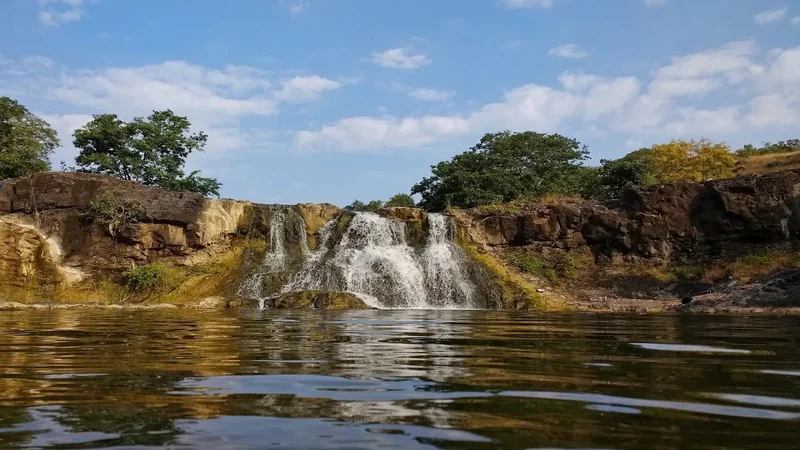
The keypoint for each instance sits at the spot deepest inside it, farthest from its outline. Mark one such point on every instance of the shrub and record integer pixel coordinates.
(145, 277)
(404, 200)
(114, 214)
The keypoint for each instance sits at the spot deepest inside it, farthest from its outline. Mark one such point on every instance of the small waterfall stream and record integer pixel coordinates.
(372, 259)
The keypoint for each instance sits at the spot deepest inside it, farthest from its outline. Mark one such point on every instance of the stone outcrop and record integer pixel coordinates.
(674, 222)
(317, 300)
(47, 243)
(50, 242)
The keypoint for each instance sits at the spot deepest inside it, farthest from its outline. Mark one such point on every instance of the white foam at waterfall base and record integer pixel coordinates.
(373, 261)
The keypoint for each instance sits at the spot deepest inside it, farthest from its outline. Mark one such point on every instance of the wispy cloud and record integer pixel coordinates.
(570, 51)
(401, 58)
(516, 4)
(638, 109)
(770, 16)
(654, 3)
(430, 95)
(58, 12)
(297, 7)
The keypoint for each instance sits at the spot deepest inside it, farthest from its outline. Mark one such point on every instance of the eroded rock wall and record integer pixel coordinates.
(674, 222)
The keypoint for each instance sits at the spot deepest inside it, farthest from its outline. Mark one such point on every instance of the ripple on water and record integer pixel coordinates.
(788, 373)
(688, 348)
(702, 408)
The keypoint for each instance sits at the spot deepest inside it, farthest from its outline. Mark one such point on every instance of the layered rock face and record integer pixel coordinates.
(44, 228)
(46, 242)
(673, 222)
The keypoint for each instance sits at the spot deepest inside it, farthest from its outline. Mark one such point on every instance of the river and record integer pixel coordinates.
(397, 379)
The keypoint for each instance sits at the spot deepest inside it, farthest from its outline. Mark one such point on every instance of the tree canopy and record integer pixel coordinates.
(503, 167)
(679, 161)
(150, 151)
(401, 200)
(359, 206)
(26, 141)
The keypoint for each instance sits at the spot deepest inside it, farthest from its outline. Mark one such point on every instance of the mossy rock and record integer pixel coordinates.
(318, 300)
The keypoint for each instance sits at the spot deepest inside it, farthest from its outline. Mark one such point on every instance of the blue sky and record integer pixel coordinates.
(332, 100)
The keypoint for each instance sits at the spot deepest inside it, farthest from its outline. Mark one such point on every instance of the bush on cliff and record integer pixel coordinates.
(26, 141)
(359, 206)
(111, 212)
(402, 200)
(145, 277)
(150, 151)
(502, 167)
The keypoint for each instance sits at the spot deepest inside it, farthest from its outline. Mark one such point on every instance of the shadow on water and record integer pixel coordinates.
(397, 379)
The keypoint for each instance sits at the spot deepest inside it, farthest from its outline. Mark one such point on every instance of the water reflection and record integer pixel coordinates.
(396, 379)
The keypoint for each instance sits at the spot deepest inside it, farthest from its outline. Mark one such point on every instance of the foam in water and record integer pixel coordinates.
(374, 261)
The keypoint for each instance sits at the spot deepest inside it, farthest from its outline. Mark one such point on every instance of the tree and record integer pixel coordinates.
(359, 206)
(401, 200)
(26, 141)
(701, 160)
(502, 167)
(616, 176)
(789, 146)
(150, 151)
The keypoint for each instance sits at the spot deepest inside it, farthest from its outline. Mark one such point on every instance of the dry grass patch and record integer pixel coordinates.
(772, 162)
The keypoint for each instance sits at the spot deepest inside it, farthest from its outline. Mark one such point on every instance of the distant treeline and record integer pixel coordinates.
(501, 167)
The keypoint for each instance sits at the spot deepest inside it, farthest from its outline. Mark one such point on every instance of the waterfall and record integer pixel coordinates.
(278, 258)
(373, 260)
(445, 265)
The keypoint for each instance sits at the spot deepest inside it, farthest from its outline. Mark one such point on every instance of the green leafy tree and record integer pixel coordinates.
(359, 206)
(614, 177)
(150, 151)
(401, 200)
(502, 167)
(26, 141)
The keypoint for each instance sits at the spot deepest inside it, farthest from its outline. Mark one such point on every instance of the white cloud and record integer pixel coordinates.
(691, 120)
(770, 16)
(783, 74)
(215, 100)
(368, 133)
(678, 87)
(209, 95)
(795, 20)
(642, 110)
(430, 95)
(515, 4)
(65, 125)
(774, 110)
(305, 88)
(571, 51)
(58, 12)
(732, 60)
(654, 3)
(401, 58)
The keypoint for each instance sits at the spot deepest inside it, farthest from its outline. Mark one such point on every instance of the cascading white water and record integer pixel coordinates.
(446, 276)
(277, 257)
(374, 261)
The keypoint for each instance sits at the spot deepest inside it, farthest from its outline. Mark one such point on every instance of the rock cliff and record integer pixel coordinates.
(637, 246)
(659, 243)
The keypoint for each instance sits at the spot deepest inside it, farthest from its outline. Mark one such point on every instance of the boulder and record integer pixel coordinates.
(316, 215)
(403, 213)
(317, 300)
(216, 302)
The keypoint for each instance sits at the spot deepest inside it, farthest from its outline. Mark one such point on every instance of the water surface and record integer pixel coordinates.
(397, 379)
